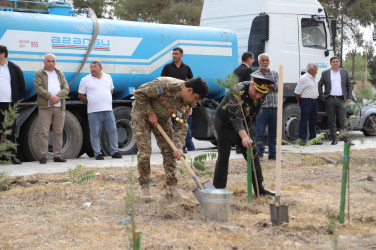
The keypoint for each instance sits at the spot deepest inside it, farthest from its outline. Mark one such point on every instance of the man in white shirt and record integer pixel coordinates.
(338, 90)
(12, 84)
(96, 91)
(306, 93)
(52, 89)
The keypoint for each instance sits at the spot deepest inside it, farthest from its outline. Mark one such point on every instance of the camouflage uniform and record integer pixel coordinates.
(161, 96)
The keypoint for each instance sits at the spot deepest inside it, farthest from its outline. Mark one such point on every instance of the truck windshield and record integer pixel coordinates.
(313, 34)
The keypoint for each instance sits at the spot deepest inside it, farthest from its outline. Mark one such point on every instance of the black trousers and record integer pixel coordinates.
(227, 138)
(12, 137)
(335, 107)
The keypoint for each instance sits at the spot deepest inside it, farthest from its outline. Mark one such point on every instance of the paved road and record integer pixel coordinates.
(29, 168)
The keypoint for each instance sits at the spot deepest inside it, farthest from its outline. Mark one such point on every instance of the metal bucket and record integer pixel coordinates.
(216, 203)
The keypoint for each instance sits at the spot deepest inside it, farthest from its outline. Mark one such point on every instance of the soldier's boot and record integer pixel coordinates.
(262, 190)
(145, 193)
(172, 192)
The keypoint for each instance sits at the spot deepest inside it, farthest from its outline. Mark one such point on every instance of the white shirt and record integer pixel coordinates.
(5, 87)
(335, 78)
(307, 87)
(98, 92)
(53, 85)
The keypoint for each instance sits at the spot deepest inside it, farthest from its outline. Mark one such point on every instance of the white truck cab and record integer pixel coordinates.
(293, 33)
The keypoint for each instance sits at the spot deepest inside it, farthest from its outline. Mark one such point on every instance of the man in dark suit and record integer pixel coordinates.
(338, 90)
(12, 84)
(243, 71)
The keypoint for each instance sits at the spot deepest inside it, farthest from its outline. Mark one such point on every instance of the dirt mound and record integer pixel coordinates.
(51, 211)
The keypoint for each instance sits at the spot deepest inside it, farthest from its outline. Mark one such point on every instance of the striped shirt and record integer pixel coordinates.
(271, 99)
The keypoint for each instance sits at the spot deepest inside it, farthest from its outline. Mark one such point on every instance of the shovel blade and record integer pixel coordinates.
(207, 185)
(279, 214)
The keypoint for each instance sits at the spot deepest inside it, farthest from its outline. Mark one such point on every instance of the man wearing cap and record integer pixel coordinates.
(231, 126)
(267, 116)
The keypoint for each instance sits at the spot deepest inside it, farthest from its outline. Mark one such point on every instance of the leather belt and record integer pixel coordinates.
(336, 96)
(308, 98)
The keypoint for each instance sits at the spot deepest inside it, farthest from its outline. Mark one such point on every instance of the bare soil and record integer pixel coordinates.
(42, 212)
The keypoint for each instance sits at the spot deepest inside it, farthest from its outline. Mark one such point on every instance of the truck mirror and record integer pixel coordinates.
(333, 27)
(326, 53)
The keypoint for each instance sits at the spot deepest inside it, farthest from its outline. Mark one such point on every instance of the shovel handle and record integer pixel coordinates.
(160, 129)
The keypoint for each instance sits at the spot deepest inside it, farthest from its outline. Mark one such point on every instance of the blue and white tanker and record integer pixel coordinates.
(134, 53)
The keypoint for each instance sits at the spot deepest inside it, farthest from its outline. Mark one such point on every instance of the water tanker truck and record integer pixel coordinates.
(134, 53)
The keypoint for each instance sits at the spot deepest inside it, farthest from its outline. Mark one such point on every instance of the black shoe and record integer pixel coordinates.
(117, 155)
(318, 143)
(43, 160)
(272, 158)
(59, 159)
(264, 191)
(184, 151)
(15, 160)
(99, 157)
(335, 141)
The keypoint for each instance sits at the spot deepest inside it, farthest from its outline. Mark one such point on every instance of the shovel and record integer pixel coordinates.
(205, 185)
(279, 213)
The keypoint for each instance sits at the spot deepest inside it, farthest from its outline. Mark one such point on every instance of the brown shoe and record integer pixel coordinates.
(43, 160)
(145, 193)
(172, 192)
(59, 159)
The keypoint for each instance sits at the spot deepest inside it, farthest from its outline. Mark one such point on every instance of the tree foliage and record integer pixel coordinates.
(352, 15)
(100, 7)
(6, 145)
(355, 63)
(372, 70)
(162, 11)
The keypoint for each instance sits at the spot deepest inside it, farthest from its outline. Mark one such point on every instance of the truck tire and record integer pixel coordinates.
(72, 138)
(369, 127)
(126, 139)
(290, 121)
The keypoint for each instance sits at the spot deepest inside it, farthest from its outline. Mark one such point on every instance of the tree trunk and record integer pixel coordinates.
(353, 54)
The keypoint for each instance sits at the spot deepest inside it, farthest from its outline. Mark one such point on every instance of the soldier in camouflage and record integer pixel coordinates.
(230, 126)
(156, 102)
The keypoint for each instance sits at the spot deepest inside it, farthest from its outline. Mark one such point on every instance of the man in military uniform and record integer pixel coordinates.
(156, 102)
(230, 126)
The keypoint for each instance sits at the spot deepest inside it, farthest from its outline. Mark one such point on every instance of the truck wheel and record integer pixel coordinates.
(72, 138)
(369, 127)
(126, 139)
(290, 121)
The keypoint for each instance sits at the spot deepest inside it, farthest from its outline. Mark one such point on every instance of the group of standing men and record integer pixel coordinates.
(334, 89)
(171, 98)
(52, 89)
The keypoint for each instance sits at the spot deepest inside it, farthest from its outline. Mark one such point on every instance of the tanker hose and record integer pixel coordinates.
(93, 17)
